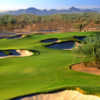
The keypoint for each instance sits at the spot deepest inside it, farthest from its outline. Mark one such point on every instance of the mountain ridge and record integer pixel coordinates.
(43, 12)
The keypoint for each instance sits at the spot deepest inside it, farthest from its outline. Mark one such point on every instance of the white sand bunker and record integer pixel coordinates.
(24, 52)
(15, 53)
(65, 95)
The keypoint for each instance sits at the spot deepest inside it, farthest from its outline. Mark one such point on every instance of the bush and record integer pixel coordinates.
(90, 47)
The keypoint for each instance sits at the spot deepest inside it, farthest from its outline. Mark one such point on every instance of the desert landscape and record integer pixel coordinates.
(49, 51)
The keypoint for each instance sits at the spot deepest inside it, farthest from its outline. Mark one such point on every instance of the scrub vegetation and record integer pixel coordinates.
(51, 23)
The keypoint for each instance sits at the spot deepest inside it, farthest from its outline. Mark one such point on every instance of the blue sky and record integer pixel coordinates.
(47, 4)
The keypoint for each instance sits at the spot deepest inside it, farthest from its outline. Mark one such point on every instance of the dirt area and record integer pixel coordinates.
(63, 95)
(87, 68)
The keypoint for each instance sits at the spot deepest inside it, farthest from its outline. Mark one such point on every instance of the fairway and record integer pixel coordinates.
(45, 72)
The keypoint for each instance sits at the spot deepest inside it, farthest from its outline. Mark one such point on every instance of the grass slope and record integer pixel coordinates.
(46, 72)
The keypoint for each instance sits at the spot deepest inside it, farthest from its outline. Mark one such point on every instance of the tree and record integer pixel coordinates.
(90, 47)
(7, 19)
(81, 26)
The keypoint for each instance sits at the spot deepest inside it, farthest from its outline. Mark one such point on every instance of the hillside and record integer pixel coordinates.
(50, 24)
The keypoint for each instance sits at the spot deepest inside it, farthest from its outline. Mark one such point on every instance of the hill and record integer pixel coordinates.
(36, 11)
(51, 23)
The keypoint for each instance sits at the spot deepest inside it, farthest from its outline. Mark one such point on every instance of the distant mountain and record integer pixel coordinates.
(36, 11)
(97, 9)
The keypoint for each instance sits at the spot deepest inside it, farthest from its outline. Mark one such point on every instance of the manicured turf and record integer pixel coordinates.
(45, 72)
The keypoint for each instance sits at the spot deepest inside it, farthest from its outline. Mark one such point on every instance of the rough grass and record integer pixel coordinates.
(46, 72)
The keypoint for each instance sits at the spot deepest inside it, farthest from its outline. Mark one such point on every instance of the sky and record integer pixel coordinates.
(6, 5)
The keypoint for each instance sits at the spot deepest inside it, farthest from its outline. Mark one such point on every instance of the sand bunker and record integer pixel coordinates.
(15, 53)
(64, 95)
(13, 37)
(81, 38)
(66, 45)
(16, 37)
(83, 68)
(49, 40)
(24, 52)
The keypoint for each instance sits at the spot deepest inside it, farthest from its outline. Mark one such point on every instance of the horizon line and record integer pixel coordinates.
(49, 9)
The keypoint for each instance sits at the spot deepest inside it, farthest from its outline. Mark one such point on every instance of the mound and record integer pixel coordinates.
(65, 95)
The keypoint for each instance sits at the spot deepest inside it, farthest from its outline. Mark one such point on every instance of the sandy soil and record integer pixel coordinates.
(83, 68)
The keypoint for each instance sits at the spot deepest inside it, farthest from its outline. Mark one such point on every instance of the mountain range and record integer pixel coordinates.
(40, 12)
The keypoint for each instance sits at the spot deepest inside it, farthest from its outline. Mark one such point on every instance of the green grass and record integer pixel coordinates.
(43, 73)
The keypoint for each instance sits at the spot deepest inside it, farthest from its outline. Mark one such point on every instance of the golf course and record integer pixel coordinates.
(47, 69)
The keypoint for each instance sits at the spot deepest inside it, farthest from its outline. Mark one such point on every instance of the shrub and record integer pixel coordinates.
(90, 47)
